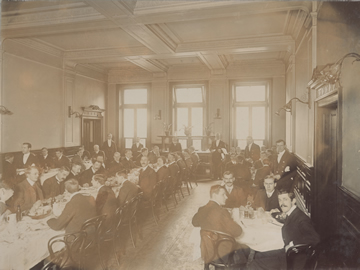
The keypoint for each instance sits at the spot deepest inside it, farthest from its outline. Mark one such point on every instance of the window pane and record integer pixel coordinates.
(183, 143)
(128, 143)
(135, 96)
(182, 119)
(188, 95)
(143, 142)
(258, 123)
(197, 122)
(250, 93)
(242, 122)
(197, 144)
(141, 123)
(129, 121)
(241, 144)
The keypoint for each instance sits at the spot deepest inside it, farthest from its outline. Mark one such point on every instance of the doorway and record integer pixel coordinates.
(92, 133)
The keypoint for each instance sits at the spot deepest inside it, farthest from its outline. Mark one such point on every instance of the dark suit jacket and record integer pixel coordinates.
(79, 209)
(32, 159)
(216, 156)
(9, 173)
(63, 161)
(253, 153)
(147, 181)
(241, 172)
(77, 159)
(175, 148)
(213, 217)
(25, 195)
(86, 176)
(299, 229)
(195, 160)
(51, 187)
(285, 181)
(174, 170)
(72, 176)
(163, 173)
(46, 162)
(114, 167)
(109, 151)
(261, 174)
(236, 198)
(258, 164)
(128, 191)
(100, 153)
(262, 200)
(128, 164)
(136, 150)
(106, 203)
(153, 157)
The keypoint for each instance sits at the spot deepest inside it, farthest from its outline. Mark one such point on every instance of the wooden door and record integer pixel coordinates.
(326, 170)
(92, 131)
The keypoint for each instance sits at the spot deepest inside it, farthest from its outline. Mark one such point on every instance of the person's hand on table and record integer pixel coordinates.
(291, 244)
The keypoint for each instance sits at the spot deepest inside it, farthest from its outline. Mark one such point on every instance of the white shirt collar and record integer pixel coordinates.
(215, 201)
(229, 189)
(171, 163)
(74, 173)
(25, 157)
(92, 168)
(30, 182)
(45, 156)
(250, 145)
(60, 157)
(291, 210)
(269, 194)
(144, 168)
(99, 188)
(57, 179)
(280, 155)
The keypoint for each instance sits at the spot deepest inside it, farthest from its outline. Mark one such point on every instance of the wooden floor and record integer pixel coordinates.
(168, 245)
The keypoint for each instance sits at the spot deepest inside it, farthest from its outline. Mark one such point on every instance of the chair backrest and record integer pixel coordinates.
(93, 228)
(65, 249)
(301, 256)
(216, 246)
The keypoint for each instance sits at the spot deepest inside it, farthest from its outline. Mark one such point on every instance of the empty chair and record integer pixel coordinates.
(301, 256)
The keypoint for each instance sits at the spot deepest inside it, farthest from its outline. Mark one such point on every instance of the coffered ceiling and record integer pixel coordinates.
(157, 35)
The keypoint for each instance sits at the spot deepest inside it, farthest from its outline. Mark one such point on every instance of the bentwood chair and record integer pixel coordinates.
(219, 249)
(301, 256)
(66, 251)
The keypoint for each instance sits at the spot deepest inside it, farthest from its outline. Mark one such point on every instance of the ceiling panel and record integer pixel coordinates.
(262, 55)
(118, 65)
(181, 61)
(113, 38)
(231, 27)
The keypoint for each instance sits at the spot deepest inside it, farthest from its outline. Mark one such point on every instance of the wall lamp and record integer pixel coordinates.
(288, 106)
(71, 112)
(158, 116)
(5, 111)
(217, 114)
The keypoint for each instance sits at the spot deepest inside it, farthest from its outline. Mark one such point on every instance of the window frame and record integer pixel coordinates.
(251, 104)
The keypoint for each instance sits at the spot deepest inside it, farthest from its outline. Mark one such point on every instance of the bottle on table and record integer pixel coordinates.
(18, 214)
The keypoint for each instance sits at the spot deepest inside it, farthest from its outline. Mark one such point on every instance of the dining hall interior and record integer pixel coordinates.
(210, 79)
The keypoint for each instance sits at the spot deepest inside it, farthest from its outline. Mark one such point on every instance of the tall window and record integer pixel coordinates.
(189, 106)
(250, 111)
(135, 111)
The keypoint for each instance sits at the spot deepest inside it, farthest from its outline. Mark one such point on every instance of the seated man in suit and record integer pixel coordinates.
(77, 158)
(260, 162)
(114, 165)
(162, 171)
(175, 146)
(86, 154)
(188, 160)
(213, 216)
(144, 153)
(173, 167)
(127, 161)
(235, 195)
(261, 173)
(284, 166)
(5, 194)
(97, 152)
(267, 198)
(109, 147)
(54, 186)
(75, 171)
(27, 158)
(106, 202)
(128, 189)
(80, 208)
(45, 161)
(241, 170)
(252, 150)
(154, 154)
(194, 158)
(231, 166)
(147, 177)
(136, 147)
(9, 171)
(86, 176)
(27, 192)
(61, 160)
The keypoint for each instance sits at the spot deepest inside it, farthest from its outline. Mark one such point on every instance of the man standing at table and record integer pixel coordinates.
(54, 186)
(216, 150)
(80, 208)
(136, 147)
(284, 166)
(45, 161)
(27, 158)
(109, 147)
(267, 198)
(235, 195)
(77, 158)
(252, 150)
(27, 192)
(213, 216)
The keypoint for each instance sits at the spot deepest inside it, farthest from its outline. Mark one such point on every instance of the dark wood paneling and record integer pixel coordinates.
(349, 213)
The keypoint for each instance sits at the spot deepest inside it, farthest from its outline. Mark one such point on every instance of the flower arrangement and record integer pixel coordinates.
(208, 129)
(187, 130)
(167, 128)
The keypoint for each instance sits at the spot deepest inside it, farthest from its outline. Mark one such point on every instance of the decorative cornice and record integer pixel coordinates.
(35, 44)
(165, 35)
